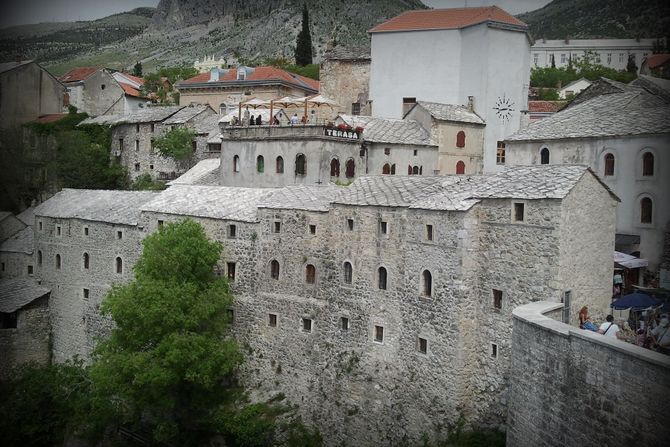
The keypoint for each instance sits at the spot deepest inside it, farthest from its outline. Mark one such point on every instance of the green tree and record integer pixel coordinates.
(137, 69)
(631, 67)
(178, 145)
(303, 47)
(169, 364)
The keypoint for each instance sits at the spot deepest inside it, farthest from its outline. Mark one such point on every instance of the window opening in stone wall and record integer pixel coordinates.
(350, 224)
(274, 269)
(409, 169)
(497, 299)
(355, 108)
(393, 169)
(85, 231)
(334, 167)
(426, 284)
(2, 266)
(350, 168)
(137, 145)
(39, 258)
(500, 153)
(276, 227)
(119, 265)
(423, 345)
(310, 274)
(415, 170)
(544, 156)
(137, 127)
(160, 223)
(280, 165)
(137, 167)
(230, 268)
(386, 169)
(387, 151)
(566, 299)
(58, 262)
(646, 208)
(379, 334)
(152, 146)
(153, 127)
(306, 325)
(86, 261)
(272, 320)
(407, 104)
(383, 227)
(429, 232)
(518, 212)
(30, 269)
(344, 323)
(648, 164)
(460, 167)
(260, 164)
(230, 314)
(382, 276)
(119, 234)
(86, 293)
(460, 139)
(8, 320)
(494, 350)
(236, 163)
(232, 231)
(416, 152)
(120, 144)
(300, 164)
(194, 146)
(348, 272)
(58, 230)
(312, 229)
(609, 164)
(40, 225)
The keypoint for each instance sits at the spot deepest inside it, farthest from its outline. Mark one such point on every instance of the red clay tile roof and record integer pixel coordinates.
(134, 78)
(50, 118)
(452, 18)
(545, 106)
(130, 90)
(264, 73)
(77, 74)
(656, 60)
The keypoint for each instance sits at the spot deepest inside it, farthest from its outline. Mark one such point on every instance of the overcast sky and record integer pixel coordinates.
(19, 12)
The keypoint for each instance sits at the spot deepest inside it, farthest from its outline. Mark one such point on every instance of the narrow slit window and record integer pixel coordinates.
(383, 227)
(310, 274)
(423, 345)
(312, 229)
(497, 299)
(230, 267)
(232, 231)
(348, 272)
(344, 323)
(519, 212)
(274, 269)
(272, 320)
(429, 232)
(382, 278)
(379, 334)
(350, 224)
(306, 325)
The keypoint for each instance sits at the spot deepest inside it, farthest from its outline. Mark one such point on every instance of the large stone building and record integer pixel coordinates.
(224, 88)
(27, 91)
(448, 56)
(623, 133)
(383, 308)
(344, 74)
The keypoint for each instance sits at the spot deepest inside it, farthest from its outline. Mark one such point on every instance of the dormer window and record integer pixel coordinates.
(241, 74)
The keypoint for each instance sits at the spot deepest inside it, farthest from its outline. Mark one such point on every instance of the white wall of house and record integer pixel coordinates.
(573, 88)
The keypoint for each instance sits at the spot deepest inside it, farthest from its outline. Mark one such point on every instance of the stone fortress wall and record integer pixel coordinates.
(367, 364)
(571, 387)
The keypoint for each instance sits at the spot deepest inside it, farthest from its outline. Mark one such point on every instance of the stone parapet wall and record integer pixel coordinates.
(570, 387)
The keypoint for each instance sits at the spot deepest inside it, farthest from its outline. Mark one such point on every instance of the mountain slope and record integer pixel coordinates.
(582, 19)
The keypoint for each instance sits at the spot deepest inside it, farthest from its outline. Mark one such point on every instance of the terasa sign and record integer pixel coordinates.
(350, 134)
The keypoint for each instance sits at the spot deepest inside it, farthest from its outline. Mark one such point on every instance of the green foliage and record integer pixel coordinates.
(548, 94)
(309, 70)
(303, 47)
(39, 403)
(585, 66)
(631, 67)
(145, 183)
(178, 72)
(176, 144)
(137, 69)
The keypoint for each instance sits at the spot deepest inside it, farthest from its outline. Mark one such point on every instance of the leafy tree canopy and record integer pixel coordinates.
(176, 144)
(137, 69)
(586, 66)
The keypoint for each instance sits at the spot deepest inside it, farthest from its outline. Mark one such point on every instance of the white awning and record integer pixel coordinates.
(629, 261)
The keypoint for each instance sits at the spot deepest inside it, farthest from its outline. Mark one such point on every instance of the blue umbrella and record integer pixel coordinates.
(635, 301)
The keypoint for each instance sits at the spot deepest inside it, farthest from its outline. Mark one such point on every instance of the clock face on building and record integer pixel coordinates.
(504, 108)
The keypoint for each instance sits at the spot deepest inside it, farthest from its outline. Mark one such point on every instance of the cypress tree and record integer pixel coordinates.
(303, 47)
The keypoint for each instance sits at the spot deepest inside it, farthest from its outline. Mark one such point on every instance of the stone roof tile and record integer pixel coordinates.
(194, 176)
(145, 115)
(186, 114)
(20, 242)
(451, 112)
(309, 198)
(16, 293)
(384, 130)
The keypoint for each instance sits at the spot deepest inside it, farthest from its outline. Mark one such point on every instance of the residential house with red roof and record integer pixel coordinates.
(656, 65)
(448, 56)
(223, 89)
(100, 91)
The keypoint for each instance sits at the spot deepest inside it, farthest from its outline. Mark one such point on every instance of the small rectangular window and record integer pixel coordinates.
(306, 325)
(312, 229)
(160, 223)
(120, 144)
(119, 234)
(355, 108)
(86, 293)
(58, 230)
(2, 266)
(230, 313)
(497, 298)
(137, 145)
(387, 151)
(423, 345)
(494, 350)
(85, 231)
(137, 127)
(153, 127)
(344, 323)
(383, 227)
(350, 224)
(277, 226)
(272, 320)
(39, 224)
(429, 232)
(30, 269)
(518, 212)
(137, 167)
(151, 167)
(416, 152)
(230, 267)
(500, 153)
(379, 334)
(232, 231)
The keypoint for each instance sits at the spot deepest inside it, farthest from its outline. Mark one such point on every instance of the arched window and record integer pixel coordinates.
(426, 283)
(223, 109)
(300, 164)
(236, 163)
(460, 167)
(58, 264)
(347, 272)
(382, 278)
(648, 164)
(409, 170)
(609, 164)
(415, 170)
(334, 167)
(544, 156)
(86, 260)
(460, 139)
(646, 210)
(39, 257)
(119, 265)
(393, 169)
(310, 274)
(351, 168)
(386, 169)
(280, 165)
(274, 269)
(260, 164)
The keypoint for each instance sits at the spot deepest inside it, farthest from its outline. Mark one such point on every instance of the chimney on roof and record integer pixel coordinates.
(471, 103)
(214, 75)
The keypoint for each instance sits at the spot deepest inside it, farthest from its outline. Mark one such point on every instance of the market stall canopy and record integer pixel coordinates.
(288, 101)
(629, 261)
(635, 301)
(256, 103)
(320, 100)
